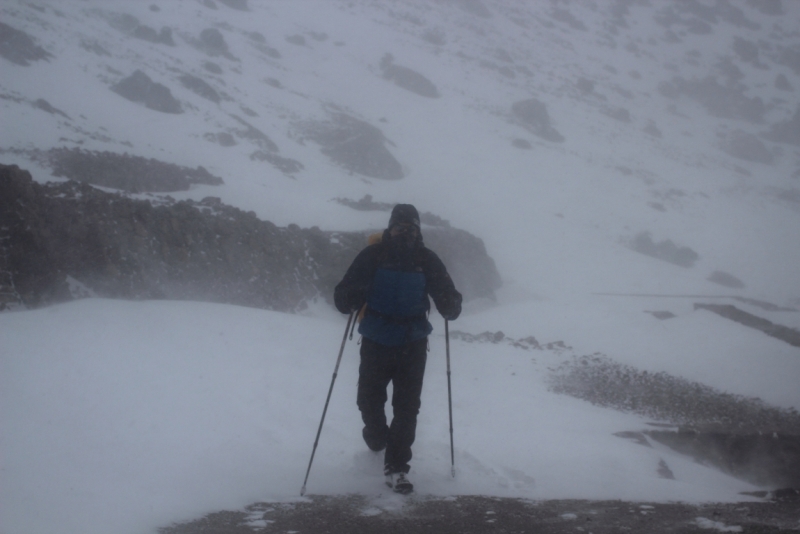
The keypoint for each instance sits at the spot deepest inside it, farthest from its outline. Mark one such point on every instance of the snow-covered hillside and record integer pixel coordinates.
(620, 159)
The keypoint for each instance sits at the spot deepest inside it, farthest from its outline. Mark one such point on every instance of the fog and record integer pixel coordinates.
(593, 170)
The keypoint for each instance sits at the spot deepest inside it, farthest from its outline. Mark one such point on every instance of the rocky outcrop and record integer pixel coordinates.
(134, 174)
(665, 250)
(355, 145)
(532, 115)
(63, 236)
(18, 47)
(139, 88)
(407, 78)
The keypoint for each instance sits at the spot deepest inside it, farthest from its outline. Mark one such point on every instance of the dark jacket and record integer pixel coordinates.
(395, 283)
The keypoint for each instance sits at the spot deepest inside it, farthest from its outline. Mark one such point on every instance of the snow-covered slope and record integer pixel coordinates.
(673, 135)
(129, 416)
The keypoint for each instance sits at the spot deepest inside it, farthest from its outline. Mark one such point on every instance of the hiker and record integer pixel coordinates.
(392, 280)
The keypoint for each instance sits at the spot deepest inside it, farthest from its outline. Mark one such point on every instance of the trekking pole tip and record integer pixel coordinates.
(303, 491)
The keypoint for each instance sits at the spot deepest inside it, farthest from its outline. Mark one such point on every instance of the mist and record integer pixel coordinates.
(614, 185)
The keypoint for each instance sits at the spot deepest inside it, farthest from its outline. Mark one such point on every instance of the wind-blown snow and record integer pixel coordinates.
(126, 416)
(129, 416)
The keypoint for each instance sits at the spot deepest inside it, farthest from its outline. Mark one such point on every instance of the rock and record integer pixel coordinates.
(355, 145)
(138, 87)
(407, 78)
(213, 43)
(748, 147)
(769, 459)
(200, 87)
(241, 5)
(18, 47)
(787, 131)
(532, 114)
(725, 101)
(725, 279)
(664, 250)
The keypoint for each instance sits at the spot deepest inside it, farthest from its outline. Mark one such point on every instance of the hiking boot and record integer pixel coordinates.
(399, 483)
(376, 441)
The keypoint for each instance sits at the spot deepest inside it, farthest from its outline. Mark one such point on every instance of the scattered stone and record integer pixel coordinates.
(407, 78)
(663, 315)
(298, 40)
(522, 143)
(585, 86)
(130, 25)
(254, 135)
(764, 459)
(787, 131)
(212, 42)
(725, 101)
(532, 115)
(748, 147)
(138, 87)
(285, 165)
(669, 399)
(94, 47)
(784, 333)
(652, 129)
(767, 7)
(565, 16)
(241, 5)
(664, 471)
(764, 305)
(526, 343)
(620, 114)
(44, 105)
(222, 139)
(435, 37)
(746, 50)
(20, 48)
(725, 279)
(212, 67)
(355, 145)
(200, 87)
(636, 437)
(782, 83)
(466, 513)
(665, 250)
(474, 7)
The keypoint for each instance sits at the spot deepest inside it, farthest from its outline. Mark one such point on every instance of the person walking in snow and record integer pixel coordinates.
(394, 278)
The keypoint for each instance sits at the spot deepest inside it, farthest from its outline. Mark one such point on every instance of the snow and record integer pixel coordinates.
(128, 416)
(133, 415)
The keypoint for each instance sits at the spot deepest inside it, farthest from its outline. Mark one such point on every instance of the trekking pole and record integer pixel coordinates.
(449, 398)
(325, 410)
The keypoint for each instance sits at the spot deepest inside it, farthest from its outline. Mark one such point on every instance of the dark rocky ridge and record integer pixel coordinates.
(119, 247)
(123, 171)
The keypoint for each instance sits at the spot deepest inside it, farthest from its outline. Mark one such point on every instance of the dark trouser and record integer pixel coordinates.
(404, 366)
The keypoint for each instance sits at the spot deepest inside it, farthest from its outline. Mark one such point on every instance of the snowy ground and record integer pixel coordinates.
(129, 416)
